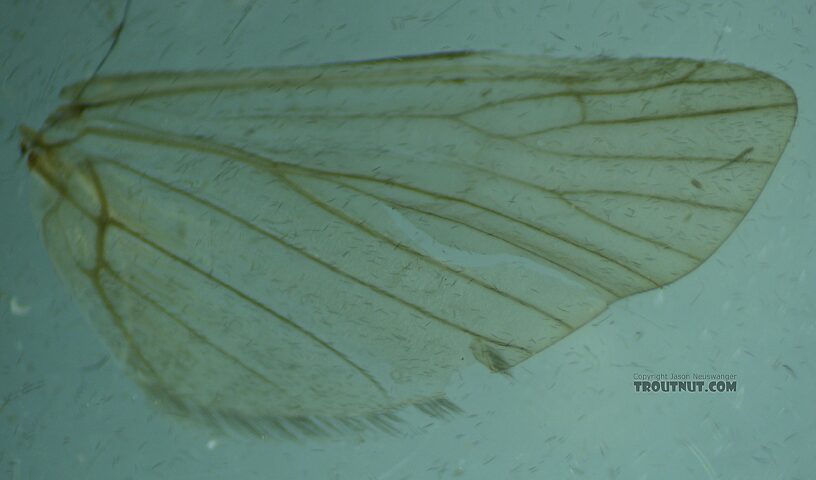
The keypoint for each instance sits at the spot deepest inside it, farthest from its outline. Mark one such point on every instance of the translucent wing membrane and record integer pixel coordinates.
(307, 248)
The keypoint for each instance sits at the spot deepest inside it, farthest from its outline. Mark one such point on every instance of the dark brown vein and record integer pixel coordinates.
(278, 168)
(104, 222)
(328, 114)
(483, 208)
(316, 79)
(270, 166)
(134, 356)
(372, 233)
(249, 299)
(475, 228)
(652, 196)
(654, 118)
(304, 253)
(202, 338)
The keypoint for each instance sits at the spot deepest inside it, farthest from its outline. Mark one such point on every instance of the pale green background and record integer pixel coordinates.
(571, 411)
